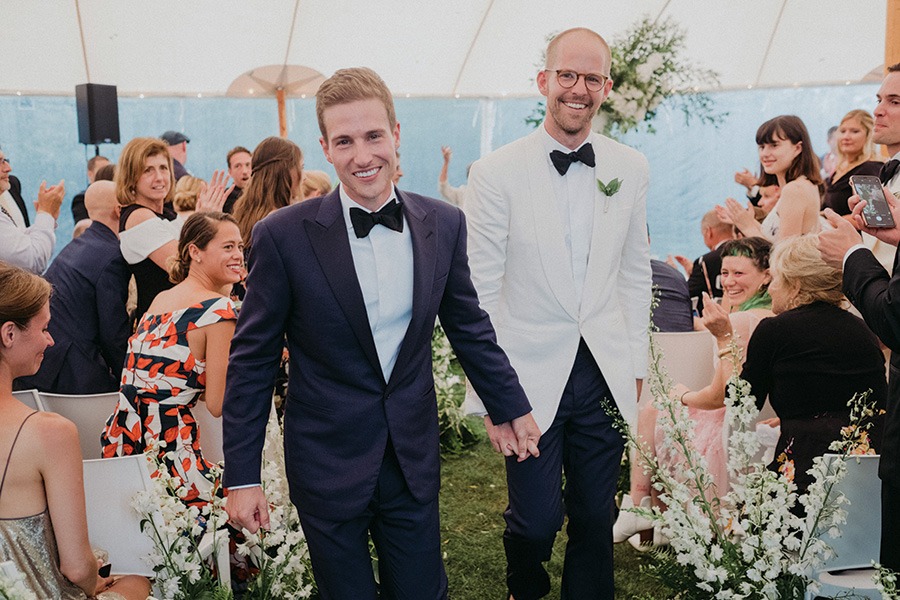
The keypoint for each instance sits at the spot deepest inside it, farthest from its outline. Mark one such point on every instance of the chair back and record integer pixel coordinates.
(29, 398)
(110, 485)
(209, 429)
(89, 412)
(687, 357)
(858, 545)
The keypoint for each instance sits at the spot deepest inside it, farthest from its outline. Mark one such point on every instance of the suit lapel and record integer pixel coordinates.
(422, 226)
(328, 237)
(549, 232)
(603, 231)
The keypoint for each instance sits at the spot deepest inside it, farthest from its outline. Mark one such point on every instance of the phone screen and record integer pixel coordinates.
(877, 213)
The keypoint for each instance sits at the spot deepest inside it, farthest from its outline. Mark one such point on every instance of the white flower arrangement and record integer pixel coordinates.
(455, 430)
(279, 555)
(13, 587)
(749, 543)
(886, 583)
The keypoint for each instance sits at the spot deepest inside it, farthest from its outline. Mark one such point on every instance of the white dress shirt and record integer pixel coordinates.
(9, 205)
(384, 268)
(894, 186)
(28, 248)
(575, 200)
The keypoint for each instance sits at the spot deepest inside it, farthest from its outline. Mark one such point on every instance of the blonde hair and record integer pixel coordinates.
(868, 124)
(350, 85)
(315, 183)
(186, 191)
(131, 166)
(798, 263)
(198, 230)
(22, 295)
(269, 189)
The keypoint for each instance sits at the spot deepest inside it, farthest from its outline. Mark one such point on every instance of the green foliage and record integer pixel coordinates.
(456, 430)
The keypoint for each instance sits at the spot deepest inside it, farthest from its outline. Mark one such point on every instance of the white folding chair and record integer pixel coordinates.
(687, 357)
(89, 413)
(850, 570)
(29, 398)
(210, 429)
(110, 484)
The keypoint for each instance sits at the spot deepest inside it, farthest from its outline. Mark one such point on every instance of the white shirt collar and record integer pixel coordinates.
(347, 203)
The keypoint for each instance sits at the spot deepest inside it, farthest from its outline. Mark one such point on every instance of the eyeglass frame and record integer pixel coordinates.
(606, 78)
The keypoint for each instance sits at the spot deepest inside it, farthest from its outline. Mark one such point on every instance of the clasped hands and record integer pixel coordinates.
(518, 437)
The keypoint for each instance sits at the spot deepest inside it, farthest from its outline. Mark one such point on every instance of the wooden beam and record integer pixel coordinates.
(892, 34)
(282, 113)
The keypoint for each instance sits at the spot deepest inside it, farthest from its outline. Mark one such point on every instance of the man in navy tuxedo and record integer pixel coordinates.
(355, 279)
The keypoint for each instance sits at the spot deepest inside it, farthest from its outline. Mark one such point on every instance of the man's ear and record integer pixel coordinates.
(542, 82)
(325, 151)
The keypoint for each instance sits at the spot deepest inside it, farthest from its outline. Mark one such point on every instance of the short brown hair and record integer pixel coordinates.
(270, 186)
(22, 295)
(92, 162)
(131, 166)
(233, 151)
(350, 85)
(198, 230)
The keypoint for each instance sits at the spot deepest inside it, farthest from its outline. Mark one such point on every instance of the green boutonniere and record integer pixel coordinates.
(609, 189)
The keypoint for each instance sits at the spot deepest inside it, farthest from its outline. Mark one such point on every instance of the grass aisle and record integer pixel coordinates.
(473, 497)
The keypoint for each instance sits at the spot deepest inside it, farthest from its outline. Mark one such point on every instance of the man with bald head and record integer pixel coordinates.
(89, 322)
(560, 259)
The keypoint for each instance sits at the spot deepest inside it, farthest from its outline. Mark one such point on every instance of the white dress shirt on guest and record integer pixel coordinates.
(29, 248)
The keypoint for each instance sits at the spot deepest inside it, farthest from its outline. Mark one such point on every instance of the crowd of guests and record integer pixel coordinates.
(181, 242)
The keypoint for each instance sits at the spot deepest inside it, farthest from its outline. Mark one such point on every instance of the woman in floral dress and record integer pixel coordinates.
(180, 353)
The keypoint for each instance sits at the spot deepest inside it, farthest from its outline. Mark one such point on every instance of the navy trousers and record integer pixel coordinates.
(407, 541)
(583, 444)
(890, 526)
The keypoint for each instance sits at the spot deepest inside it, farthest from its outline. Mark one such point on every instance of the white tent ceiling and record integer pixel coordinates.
(480, 48)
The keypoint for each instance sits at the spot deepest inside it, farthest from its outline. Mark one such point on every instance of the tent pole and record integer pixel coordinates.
(892, 34)
(282, 113)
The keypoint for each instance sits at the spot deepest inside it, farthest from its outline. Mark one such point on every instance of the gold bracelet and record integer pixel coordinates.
(722, 353)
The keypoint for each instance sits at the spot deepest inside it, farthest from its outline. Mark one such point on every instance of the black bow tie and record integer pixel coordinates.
(562, 161)
(888, 170)
(390, 215)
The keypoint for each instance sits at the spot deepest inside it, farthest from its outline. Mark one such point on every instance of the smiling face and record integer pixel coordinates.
(152, 186)
(222, 261)
(362, 146)
(741, 279)
(569, 111)
(777, 156)
(887, 114)
(851, 138)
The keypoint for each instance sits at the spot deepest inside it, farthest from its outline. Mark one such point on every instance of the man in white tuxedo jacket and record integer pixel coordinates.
(563, 269)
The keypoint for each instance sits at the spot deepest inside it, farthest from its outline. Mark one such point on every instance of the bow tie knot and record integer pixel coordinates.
(390, 215)
(889, 170)
(562, 161)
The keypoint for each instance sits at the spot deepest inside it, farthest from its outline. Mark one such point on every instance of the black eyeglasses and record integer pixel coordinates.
(594, 82)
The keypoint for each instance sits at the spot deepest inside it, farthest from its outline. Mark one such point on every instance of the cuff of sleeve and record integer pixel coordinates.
(44, 220)
(851, 251)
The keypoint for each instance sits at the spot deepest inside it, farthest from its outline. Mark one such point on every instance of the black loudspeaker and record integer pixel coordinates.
(97, 107)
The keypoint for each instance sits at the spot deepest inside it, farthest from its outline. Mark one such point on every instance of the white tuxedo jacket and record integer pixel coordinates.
(522, 271)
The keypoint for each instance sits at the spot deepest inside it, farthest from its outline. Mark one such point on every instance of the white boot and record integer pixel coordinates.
(628, 522)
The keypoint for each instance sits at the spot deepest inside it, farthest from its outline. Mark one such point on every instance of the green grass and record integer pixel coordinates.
(473, 497)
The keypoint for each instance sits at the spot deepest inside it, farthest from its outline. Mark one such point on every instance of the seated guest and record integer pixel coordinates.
(43, 527)
(239, 168)
(180, 352)
(703, 274)
(786, 160)
(90, 322)
(856, 155)
(29, 247)
(187, 190)
(809, 359)
(315, 184)
(745, 279)
(673, 310)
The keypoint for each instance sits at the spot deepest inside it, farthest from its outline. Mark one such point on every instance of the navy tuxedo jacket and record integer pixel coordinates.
(340, 411)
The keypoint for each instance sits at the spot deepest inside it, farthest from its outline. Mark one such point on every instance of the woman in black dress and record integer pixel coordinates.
(856, 156)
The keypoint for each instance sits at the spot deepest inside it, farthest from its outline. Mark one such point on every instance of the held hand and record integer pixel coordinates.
(50, 198)
(212, 199)
(834, 243)
(247, 508)
(528, 434)
(502, 437)
(715, 318)
(773, 422)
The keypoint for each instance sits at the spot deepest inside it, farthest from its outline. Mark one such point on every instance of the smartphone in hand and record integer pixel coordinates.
(877, 212)
(105, 570)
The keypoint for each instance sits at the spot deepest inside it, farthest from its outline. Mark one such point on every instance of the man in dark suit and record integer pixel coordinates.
(875, 293)
(89, 321)
(355, 279)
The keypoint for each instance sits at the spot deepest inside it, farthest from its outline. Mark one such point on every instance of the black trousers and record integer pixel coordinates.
(890, 526)
(581, 443)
